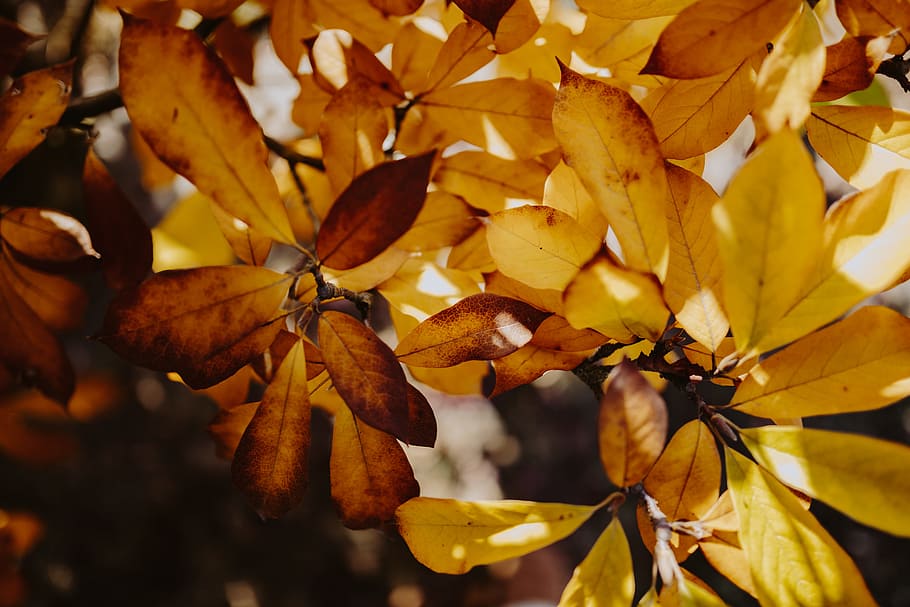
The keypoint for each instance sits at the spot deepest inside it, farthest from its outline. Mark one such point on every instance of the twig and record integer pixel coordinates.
(293, 157)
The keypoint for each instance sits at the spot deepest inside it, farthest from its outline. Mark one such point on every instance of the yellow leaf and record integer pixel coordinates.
(249, 246)
(555, 333)
(452, 536)
(861, 143)
(472, 254)
(632, 426)
(490, 183)
(789, 77)
(189, 237)
(692, 286)
(769, 227)
(857, 364)
(689, 591)
(539, 245)
(605, 578)
(609, 141)
(608, 42)
(535, 56)
(619, 303)
(338, 57)
(692, 117)
(876, 18)
(565, 191)
(309, 104)
(292, 22)
(33, 104)
(270, 461)
(465, 50)
(543, 299)
(794, 561)
(444, 220)
(364, 21)
(519, 24)
(414, 52)
(184, 124)
(528, 363)
(711, 36)
(865, 478)
(634, 9)
(421, 288)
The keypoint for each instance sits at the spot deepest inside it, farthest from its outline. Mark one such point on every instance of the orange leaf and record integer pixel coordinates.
(398, 8)
(228, 426)
(117, 230)
(555, 333)
(204, 323)
(292, 22)
(36, 430)
(46, 239)
(479, 327)
(58, 302)
(632, 425)
(249, 245)
(365, 373)
(370, 473)
(444, 220)
(487, 12)
(266, 365)
(14, 41)
(337, 58)
(179, 96)
(374, 211)
(270, 462)
(466, 50)
(849, 66)
(877, 18)
(530, 362)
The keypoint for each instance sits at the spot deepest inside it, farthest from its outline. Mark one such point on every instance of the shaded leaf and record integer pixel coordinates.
(14, 41)
(564, 190)
(487, 12)
(452, 536)
(250, 246)
(203, 323)
(621, 166)
(228, 426)
(235, 46)
(270, 462)
(605, 577)
(414, 52)
(850, 65)
(58, 302)
(370, 473)
(556, 333)
(292, 22)
(36, 430)
(530, 362)
(479, 327)
(519, 24)
(365, 373)
(185, 128)
(421, 419)
(397, 7)
(47, 239)
(364, 21)
(374, 211)
(794, 561)
(632, 426)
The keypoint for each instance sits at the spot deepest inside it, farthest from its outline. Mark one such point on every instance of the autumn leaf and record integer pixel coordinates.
(421, 419)
(270, 462)
(621, 167)
(452, 536)
(36, 430)
(489, 182)
(634, 9)
(414, 52)
(373, 212)
(632, 426)
(292, 22)
(794, 561)
(878, 18)
(337, 57)
(369, 471)
(250, 246)
(444, 220)
(605, 578)
(15, 42)
(397, 7)
(487, 12)
(203, 323)
(565, 191)
(850, 65)
(465, 50)
(57, 301)
(47, 239)
(228, 426)
(530, 362)
(479, 327)
(186, 127)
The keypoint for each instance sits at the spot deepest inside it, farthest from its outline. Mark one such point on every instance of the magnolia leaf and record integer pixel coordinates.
(542, 299)
(185, 128)
(728, 559)
(452, 536)
(530, 362)
(444, 220)
(398, 8)
(117, 231)
(465, 50)
(210, 8)
(291, 24)
(539, 246)
(564, 190)
(267, 364)
(793, 560)
(689, 591)
(519, 24)
(479, 327)
(693, 283)
(270, 462)
(421, 288)
(248, 245)
(621, 166)
(489, 182)
(228, 426)
(865, 478)
(605, 578)
(878, 18)
(377, 208)
(421, 419)
(487, 12)
(622, 45)
(33, 104)
(364, 21)
(555, 333)
(338, 57)
(711, 36)
(632, 426)
(789, 76)
(369, 471)
(415, 50)
(203, 323)
(365, 373)
(615, 301)
(46, 239)
(692, 117)
(634, 9)
(857, 364)
(768, 248)
(861, 143)
(58, 302)
(14, 42)
(865, 251)
(850, 65)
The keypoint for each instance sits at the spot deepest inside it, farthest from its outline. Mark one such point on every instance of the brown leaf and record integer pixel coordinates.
(47, 239)
(228, 426)
(270, 462)
(421, 419)
(179, 96)
(632, 426)
(530, 362)
(374, 211)
(203, 323)
(117, 230)
(58, 302)
(479, 327)
(397, 7)
(487, 12)
(370, 473)
(36, 430)
(849, 66)
(365, 373)
(555, 333)
(235, 45)
(266, 364)
(33, 104)
(14, 41)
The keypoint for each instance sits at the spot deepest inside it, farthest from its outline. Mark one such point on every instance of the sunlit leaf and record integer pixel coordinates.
(605, 578)
(850, 66)
(489, 182)
(530, 362)
(542, 299)
(689, 591)
(613, 42)
(632, 426)
(189, 236)
(609, 141)
(710, 36)
(46, 238)
(465, 50)
(377, 208)
(634, 9)
(364, 21)
(421, 288)
(520, 23)
(539, 245)
(203, 323)
(185, 128)
(338, 57)
(564, 190)
(369, 471)
(452, 536)
(876, 18)
(33, 104)
(290, 25)
(794, 560)
(444, 220)
(768, 245)
(414, 52)
(479, 327)
(248, 245)
(270, 462)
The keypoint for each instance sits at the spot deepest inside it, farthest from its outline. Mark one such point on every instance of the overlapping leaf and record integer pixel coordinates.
(46, 239)
(489, 182)
(605, 578)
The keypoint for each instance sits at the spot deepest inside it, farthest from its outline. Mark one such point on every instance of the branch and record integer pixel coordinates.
(292, 156)
(897, 68)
